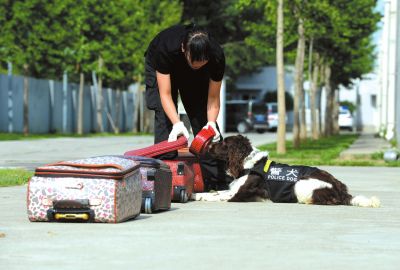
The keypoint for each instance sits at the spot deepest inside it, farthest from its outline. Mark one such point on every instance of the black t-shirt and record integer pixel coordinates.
(281, 178)
(165, 55)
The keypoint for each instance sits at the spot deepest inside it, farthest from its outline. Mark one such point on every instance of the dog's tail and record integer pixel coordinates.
(363, 201)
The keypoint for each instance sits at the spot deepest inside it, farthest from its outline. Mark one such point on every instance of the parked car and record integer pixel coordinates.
(244, 116)
(346, 120)
(273, 119)
(272, 116)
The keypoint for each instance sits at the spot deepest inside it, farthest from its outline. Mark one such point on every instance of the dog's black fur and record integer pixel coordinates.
(234, 149)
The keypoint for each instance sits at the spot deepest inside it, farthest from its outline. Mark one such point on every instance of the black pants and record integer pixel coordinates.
(194, 98)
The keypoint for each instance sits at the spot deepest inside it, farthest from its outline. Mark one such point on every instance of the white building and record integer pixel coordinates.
(257, 84)
(364, 94)
(389, 72)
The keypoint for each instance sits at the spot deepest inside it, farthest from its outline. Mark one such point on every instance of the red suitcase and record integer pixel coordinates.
(192, 162)
(186, 171)
(182, 176)
(182, 180)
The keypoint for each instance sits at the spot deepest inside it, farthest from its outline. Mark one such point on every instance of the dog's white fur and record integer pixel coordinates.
(303, 188)
(222, 195)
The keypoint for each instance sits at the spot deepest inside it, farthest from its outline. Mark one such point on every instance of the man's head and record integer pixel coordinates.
(196, 47)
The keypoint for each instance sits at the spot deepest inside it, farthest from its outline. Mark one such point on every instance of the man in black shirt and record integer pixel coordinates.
(185, 59)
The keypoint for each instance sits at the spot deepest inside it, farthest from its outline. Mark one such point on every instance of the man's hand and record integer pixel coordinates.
(178, 129)
(213, 125)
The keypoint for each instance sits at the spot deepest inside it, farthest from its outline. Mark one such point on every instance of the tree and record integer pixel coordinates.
(314, 93)
(22, 46)
(346, 49)
(299, 91)
(281, 145)
(230, 22)
(45, 38)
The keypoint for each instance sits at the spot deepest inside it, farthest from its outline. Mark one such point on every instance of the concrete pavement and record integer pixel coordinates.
(204, 235)
(32, 153)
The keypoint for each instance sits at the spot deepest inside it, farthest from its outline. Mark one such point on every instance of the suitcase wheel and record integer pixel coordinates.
(148, 206)
(184, 196)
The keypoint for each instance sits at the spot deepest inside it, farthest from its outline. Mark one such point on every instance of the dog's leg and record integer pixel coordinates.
(338, 194)
(251, 191)
(219, 196)
(304, 189)
(326, 196)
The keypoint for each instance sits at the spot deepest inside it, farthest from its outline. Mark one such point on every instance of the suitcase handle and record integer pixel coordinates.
(71, 210)
(151, 175)
(75, 186)
(180, 170)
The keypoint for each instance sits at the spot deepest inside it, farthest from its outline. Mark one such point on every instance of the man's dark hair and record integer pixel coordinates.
(197, 44)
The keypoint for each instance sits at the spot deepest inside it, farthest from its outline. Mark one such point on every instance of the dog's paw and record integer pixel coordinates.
(211, 197)
(197, 196)
(363, 201)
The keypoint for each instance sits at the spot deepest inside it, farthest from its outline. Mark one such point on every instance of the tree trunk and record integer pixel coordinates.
(329, 101)
(335, 114)
(313, 100)
(100, 126)
(80, 104)
(26, 100)
(281, 146)
(299, 91)
(303, 122)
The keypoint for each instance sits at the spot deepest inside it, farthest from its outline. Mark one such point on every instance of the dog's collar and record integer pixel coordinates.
(244, 172)
(255, 156)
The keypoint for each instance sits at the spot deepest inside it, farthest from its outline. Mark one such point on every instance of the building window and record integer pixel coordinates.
(373, 101)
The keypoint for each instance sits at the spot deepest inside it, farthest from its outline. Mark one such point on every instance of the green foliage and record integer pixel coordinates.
(350, 105)
(325, 151)
(58, 35)
(346, 41)
(228, 22)
(68, 35)
(14, 177)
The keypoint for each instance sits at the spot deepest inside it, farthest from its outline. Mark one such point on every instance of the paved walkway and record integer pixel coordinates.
(366, 144)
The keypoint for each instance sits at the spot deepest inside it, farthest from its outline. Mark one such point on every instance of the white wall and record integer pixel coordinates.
(388, 69)
(366, 115)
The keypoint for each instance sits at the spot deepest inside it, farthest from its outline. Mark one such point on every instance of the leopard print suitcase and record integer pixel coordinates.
(98, 189)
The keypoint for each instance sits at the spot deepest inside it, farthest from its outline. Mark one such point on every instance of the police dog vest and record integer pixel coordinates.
(280, 178)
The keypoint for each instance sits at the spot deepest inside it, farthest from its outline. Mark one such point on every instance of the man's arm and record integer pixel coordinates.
(213, 103)
(164, 86)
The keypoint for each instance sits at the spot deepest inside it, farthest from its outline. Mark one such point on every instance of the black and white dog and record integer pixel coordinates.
(257, 178)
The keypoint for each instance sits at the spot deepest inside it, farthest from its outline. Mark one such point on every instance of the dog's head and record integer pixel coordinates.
(233, 150)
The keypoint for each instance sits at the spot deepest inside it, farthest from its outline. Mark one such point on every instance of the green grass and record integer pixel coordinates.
(19, 136)
(325, 151)
(14, 177)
